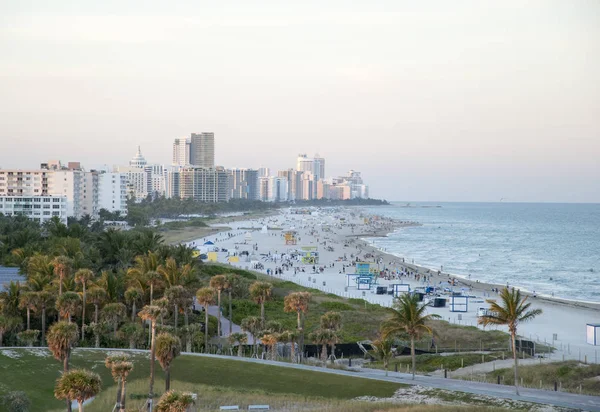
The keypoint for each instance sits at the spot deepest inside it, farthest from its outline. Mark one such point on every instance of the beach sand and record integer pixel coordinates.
(340, 235)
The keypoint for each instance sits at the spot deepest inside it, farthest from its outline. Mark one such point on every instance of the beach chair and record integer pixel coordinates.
(259, 408)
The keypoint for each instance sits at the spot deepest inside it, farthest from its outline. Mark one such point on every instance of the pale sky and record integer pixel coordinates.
(430, 100)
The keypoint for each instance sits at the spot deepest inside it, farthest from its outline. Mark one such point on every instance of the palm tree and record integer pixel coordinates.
(153, 279)
(43, 300)
(298, 302)
(168, 347)
(260, 292)
(112, 314)
(218, 283)
(83, 276)
(62, 268)
(61, 337)
(27, 301)
(382, 350)
(172, 274)
(253, 325)
(123, 369)
(111, 363)
(270, 339)
(97, 296)
(408, 317)
(133, 332)
(40, 270)
(205, 297)
(78, 384)
(232, 282)
(28, 336)
(7, 323)
(333, 322)
(512, 310)
(323, 337)
(178, 297)
(67, 304)
(290, 336)
(174, 401)
(151, 313)
(132, 296)
(239, 338)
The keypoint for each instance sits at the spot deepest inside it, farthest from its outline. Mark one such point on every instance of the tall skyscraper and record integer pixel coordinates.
(181, 152)
(202, 149)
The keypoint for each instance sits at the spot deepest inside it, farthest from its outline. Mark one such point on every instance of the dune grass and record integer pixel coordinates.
(569, 375)
(430, 363)
(35, 372)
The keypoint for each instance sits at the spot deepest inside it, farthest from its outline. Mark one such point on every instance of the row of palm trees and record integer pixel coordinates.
(409, 319)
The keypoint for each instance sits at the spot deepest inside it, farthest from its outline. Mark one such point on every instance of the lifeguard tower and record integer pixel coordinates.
(309, 255)
(290, 237)
(363, 278)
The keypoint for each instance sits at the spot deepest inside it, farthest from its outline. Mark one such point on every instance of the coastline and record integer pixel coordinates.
(477, 286)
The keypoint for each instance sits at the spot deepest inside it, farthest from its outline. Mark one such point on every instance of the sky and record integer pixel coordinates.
(431, 101)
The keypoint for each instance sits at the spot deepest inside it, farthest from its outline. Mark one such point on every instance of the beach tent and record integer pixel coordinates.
(264, 229)
(233, 259)
(212, 256)
(208, 243)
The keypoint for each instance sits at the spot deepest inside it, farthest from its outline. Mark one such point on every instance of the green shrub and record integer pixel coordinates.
(336, 306)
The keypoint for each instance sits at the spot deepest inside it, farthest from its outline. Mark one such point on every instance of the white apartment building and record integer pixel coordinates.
(198, 183)
(112, 192)
(181, 152)
(156, 176)
(81, 190)
(37, 208)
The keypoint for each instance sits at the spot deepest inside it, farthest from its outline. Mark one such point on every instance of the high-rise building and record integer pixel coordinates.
(243, 184)
(273, 189)
(201, 184)
(315, 167)
(181, 152)
(202, 149)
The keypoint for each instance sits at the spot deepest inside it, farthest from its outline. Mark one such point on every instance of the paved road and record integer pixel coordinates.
(486, 367)
(562, 399)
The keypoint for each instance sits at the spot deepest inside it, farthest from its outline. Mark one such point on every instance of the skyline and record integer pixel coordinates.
(460, 102)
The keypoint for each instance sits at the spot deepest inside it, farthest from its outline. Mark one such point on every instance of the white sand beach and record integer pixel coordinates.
(338, 236)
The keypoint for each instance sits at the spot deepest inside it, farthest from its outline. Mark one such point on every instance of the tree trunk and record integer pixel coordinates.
(60, 279)
(96, 314)
(115, 329)
(300, 337)
(152, 361)
(262, 314)
(188, 342)
(167, 379)
(175, 314)
(131, 343)
(333, 352)
(230, 315)
(83, 314)
(80, 406)
(133, 312)
(96, 339)
(414, 357)
(186, 319)
(1, 334)
(119, 392)
(239, 349)
(43, 326)
(254, 348)
(206, 329)
(69, 317)
(385, 366)
(28, 317)
(151, 292)
(123, 395)
(324, 353)
(219, 312)
(65, 370)
(516, 358)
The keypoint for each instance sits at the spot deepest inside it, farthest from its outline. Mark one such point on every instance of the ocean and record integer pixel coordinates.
(552, 249)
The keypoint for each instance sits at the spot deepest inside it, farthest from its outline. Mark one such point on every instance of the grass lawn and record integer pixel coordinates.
(35, 372)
